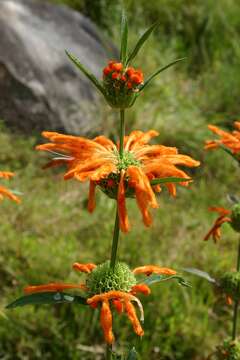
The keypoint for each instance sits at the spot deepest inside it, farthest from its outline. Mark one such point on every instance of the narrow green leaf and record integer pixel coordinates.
(229, 152)
(147, 82)
(201, 274)
(124, 38)
(155, 278)
(47, 298)
(16, 192)
(132, 354)
(141, 41)
(86, 72)
(169, 180)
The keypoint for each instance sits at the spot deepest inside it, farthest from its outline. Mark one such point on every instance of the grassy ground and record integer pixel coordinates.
(51, 229)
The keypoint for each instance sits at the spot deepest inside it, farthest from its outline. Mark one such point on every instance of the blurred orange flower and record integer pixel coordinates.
(4, 192)
(229, 140)
(98, 161)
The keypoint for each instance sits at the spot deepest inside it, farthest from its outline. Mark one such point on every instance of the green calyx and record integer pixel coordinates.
(235, 217)
(104, 278)
(118, 95)
(230, 284)
(229, 350)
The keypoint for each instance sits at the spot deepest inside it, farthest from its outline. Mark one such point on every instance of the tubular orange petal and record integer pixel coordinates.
(118, 306)
(6, 174)
(114, 294)
(215, 231)
(141, 288)
(131, 313)
(121, 200)
(150, 269)
(220, 210)
(86, 268)
(229, 300)
(51, 287)
(91, 196)
(6, 193)
(106, 322)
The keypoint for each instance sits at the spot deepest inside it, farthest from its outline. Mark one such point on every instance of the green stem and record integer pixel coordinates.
(122, 132)
(115, 241)
(116, 226)
(109, 352)
(235, 312)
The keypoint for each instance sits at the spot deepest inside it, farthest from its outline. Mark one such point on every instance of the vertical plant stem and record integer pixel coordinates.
(115, 241)
(122, 132)
(109, 352)
(116, 226)
(235, 311)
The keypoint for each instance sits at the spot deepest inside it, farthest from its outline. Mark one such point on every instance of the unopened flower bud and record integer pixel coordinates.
(230, 284)
(235, 217)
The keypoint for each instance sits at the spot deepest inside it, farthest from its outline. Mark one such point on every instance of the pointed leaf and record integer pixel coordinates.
(159, 278)
(141, 41)
(86, 72)
(147, 82)
(229, 152)
(132, 355)
(124, 38)
(47, 298)
(201, 274)
(168, 180)
(16, 192)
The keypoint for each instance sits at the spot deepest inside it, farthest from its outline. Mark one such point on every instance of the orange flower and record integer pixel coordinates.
(131, 78)
(229, 140)
(4, 192)
(215, 231)
(121, 300)
(98, 160)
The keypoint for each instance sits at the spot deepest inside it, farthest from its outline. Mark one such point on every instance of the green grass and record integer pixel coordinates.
(51, 229)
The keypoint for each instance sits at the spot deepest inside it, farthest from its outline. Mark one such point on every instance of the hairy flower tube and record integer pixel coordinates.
(99, 161)
(229, 140)
(121, 84)
(107, 288)
(4, 192)
(225, 215)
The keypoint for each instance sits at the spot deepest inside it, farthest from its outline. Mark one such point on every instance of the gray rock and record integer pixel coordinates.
(40, 89)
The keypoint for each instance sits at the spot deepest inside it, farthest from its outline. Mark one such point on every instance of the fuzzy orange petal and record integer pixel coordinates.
(51, 287)
(86, 268)
(141, 288)
(150, 269)
(131, 313)
(121, 201)
(106, 322)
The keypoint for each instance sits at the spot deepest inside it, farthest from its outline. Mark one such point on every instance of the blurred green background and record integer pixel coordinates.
(51, 229)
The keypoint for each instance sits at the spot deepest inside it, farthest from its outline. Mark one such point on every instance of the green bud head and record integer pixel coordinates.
(230, 350)
(103, 278)
(235, 217)
(230, 284)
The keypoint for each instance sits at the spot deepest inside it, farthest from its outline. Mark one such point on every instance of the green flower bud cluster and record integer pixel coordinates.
(230, 284)
(235, 217)
(103, 278)
(230, 350)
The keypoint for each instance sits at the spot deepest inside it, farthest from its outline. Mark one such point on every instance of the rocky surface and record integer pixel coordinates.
(39, 86)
